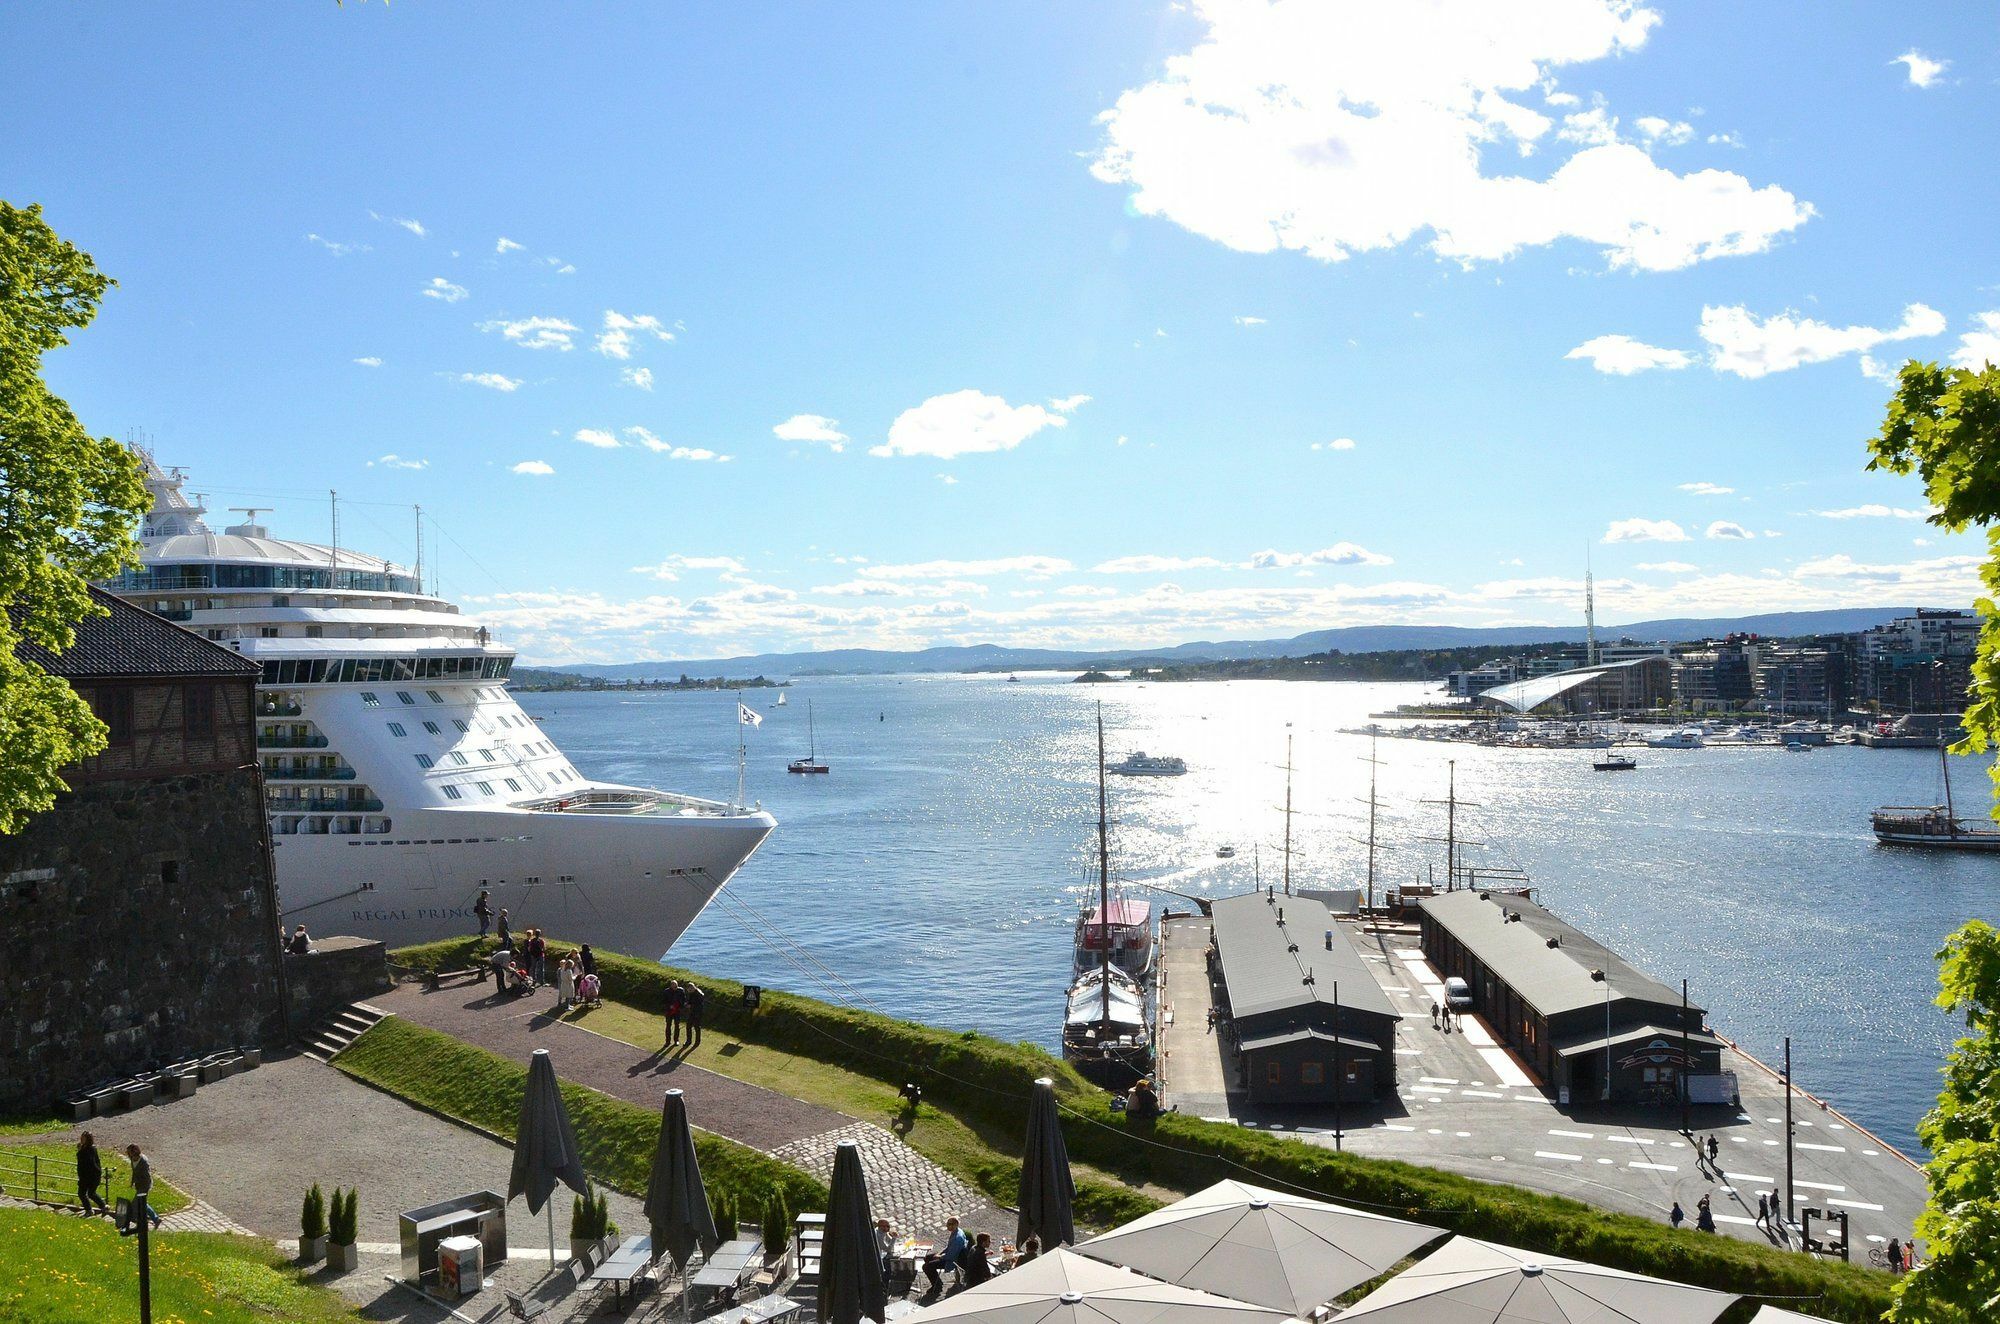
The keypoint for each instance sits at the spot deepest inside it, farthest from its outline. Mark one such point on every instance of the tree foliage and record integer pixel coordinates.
(1959, 1282)
(68, 504)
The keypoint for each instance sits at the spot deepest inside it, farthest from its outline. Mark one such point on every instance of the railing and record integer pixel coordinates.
(48, 1180)
(272, 740)
(308, 774)
(326, 805)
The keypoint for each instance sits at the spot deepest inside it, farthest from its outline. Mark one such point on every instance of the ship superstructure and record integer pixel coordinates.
(401, 777)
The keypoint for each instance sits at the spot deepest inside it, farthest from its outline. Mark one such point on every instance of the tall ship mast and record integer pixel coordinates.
(1108, 1015)
(400, 776)
(1936, 826)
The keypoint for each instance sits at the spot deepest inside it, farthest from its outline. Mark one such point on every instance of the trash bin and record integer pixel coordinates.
(458, 1266)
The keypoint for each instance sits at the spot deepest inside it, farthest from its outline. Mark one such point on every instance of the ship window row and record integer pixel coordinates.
(159, 578)
(340, 671)
(462, 841)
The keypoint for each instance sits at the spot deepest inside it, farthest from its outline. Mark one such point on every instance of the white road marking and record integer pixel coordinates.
(1817, 1185)
(1630, 1140)
(1440, 1080)
(1734, 1218)
(1750, 1178)
(1856, 1204)
(1607, 1162)
(1483, 1094)
(1574, 1135)
(1392, 1126)
(1432, 1090)
(1410, 1052)
(1872, 1153)
(1831, 1149)
(1564, 1158)
(1654, 1167)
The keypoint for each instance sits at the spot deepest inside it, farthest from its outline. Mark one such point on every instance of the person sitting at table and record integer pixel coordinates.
(1030, 1248)
(948, 1258)
(978, 1262)
(1141, 1103)
(885, 1245)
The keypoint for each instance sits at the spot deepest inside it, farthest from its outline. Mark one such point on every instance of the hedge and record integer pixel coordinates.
(991, 1080)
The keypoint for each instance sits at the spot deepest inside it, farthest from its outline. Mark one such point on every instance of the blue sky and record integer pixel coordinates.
(1135, 322)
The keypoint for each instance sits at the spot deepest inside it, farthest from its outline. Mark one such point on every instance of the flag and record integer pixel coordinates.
(745, 717)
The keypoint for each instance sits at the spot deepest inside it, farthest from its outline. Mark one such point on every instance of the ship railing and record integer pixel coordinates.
(309, 774)
(620, 802)
(272, 740)
(278, 710)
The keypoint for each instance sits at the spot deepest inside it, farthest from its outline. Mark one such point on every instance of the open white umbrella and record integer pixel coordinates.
(1480, 1282)
(1062, 1287)
(1775, 1315)
(1277, 1250)
(545, 1148)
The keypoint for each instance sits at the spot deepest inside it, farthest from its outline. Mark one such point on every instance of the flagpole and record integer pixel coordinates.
(739, 754)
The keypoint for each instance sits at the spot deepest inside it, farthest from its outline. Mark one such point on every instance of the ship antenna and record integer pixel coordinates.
(1589, 610)
(420, 549)
(333, 551)
(1103, 885)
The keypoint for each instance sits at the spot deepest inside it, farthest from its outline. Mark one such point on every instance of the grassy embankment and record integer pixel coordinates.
(984, 1084)
(618, 1138)
(58, 1176)
(59, 1269)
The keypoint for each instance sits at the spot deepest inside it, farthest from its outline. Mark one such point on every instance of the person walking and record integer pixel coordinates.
(1895, 1256)
(947, 1258)
(537, 951)
(1676, 1216)
(587, 959)
(676, 1001)
(1763, 1208)
(1714, 1147)
(565, 983)
(692, 1002)
(1704, 1217)
(506, 934)
(979, 1260)
(483, 908)
(142, 1180)
(1434, 1015)
(89, 1174)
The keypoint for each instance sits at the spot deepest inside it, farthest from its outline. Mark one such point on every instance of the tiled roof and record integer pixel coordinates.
(133, 642)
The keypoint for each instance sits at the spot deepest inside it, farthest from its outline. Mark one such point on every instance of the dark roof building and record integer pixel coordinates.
(1307, 1015)
(1591, 1023)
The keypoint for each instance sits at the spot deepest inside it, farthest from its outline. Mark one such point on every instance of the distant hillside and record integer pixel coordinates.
(1347, 639)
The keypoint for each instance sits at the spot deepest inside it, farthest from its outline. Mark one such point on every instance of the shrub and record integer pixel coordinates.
(312, 1215)
(345, 1216)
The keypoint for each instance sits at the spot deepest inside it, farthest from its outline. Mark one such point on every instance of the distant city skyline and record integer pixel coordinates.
(702, 332)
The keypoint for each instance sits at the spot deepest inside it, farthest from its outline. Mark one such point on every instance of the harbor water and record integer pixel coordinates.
(935, 873)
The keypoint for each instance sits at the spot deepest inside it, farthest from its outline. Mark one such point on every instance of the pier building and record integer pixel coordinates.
(1644, 680)
(1310, 1019)
(1591, 1024)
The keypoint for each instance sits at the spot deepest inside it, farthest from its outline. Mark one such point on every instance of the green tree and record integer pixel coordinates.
(68, 504)
(1959, 1283)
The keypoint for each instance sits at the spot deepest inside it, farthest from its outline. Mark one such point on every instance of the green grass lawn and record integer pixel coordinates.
(971, 1149)
(57, 1269)
(59, 1176)
(31, 1124)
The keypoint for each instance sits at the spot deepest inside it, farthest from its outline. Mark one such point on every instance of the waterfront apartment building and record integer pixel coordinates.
(1718, 673)
(1918, 664)
(1310, 1021)
(1590, 1024)
(1801, 681)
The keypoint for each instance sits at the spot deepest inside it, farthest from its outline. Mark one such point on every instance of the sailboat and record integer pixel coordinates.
(1107, 1020)
(810, 763)
(782, 701)
(1935, 826)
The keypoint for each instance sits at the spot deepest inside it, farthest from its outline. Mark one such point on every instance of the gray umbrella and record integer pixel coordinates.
(1062, 1287)
(1047, 1192)
(676, 1205)
(850, 1267)
(1277, 1250)
(545, 1149)
(1774, 1315)
(1479, 1282)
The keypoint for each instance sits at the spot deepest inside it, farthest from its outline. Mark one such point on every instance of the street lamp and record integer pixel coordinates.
(1600, 977)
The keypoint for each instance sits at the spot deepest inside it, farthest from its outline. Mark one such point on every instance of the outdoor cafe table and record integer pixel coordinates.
(732, 1262)
(764, 1310)
(625, 1265)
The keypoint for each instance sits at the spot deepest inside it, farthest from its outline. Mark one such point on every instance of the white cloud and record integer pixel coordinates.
(1087, 591)
(1069, 404)
(337, 249)
(1341, 553)
(507, 245)
(1335, 129)
(492, 381)
(1157, 565)
(534, 332)
(369, 361)
(1337, 444)
(1622, 355)
(1729, 139)
(645, 437)
(1748, 346)
(1645, 530)
(1923, 71)
(533, 467)
(1667, 567)
(1250, 321)
(1727, 529)
(1667, 133)
(398, 462)
(965, 423)
(639, 377)
(1978, 348)
(620, 331)
(597, 437)
(1940, 579)
(414, 227)
(674, 566)
(1706, 489)
(948, 480)
(1875, 511)
(440, 288)
(1034, 567)
(812, 428)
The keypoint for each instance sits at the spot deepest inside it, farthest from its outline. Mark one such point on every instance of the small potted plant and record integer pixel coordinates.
(341, 1228)
(590, 1224)
(312, 1227)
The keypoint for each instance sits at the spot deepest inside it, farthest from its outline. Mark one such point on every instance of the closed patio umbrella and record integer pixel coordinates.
(1480, 1282)
(545, 1149)
(850, 1267)
(1062, 1287)
(1278, 1250)
(1048, 1193)
(676, 1203)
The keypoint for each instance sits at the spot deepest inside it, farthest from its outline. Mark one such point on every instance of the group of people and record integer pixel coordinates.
(90, 1177)
(971, 1257)
(534, 964)
(1441, 1017)
(683, 1008)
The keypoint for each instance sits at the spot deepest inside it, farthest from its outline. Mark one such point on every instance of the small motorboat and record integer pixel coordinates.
(1616, 763)
(1225, 852)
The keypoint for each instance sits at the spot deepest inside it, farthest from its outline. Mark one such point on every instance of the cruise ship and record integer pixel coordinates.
(402, 778)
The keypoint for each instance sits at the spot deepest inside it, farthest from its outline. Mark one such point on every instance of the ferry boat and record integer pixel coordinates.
(1143, 764)
(401, 778)
(1935, 826)
(1108, 1013)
